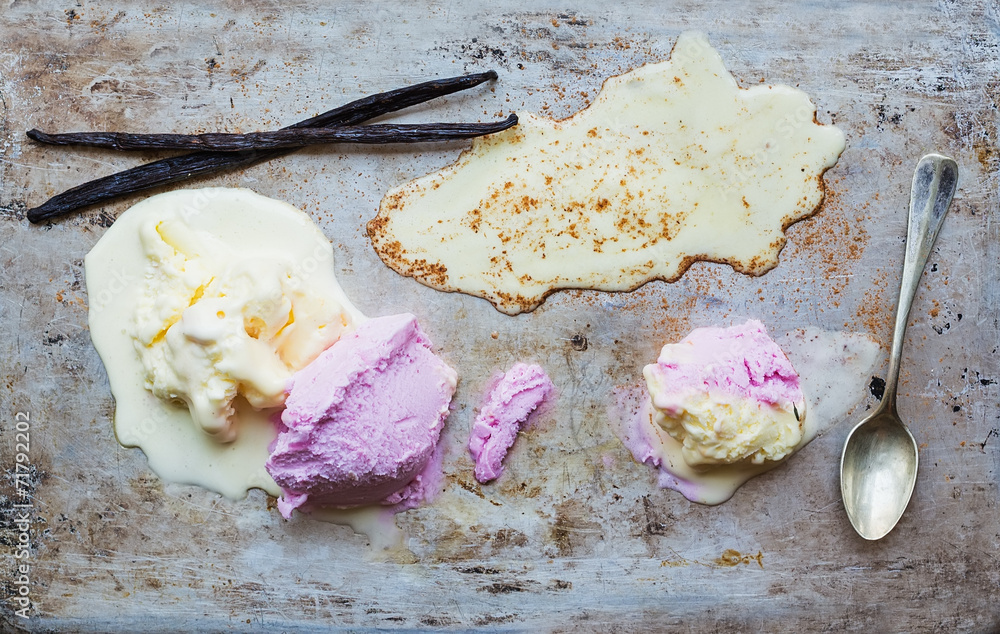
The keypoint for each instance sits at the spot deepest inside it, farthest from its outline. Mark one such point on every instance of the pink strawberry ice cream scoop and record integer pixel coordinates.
(362, 421)
(727, 394)
(741, 360)
(521, 390)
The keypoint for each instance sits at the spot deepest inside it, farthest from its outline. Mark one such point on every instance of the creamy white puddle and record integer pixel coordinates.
(672, 163)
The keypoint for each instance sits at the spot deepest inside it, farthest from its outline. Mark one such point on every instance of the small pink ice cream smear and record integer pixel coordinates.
(518, 393)
(362, 421)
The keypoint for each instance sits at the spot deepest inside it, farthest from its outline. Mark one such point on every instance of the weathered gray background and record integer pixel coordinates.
(575, 535)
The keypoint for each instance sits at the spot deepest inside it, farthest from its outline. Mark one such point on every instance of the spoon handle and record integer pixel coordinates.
(933, 186)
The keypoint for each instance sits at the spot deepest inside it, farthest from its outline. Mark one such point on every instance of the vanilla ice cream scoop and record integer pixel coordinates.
(216, 321)
(727, 395)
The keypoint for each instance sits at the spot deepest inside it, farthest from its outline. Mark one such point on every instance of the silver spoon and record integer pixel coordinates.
(879, 465)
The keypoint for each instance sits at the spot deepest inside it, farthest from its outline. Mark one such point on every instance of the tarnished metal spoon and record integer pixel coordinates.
(879, 465)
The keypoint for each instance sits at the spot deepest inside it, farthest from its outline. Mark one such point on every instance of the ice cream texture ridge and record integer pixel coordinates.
(362, 421)
(507, 407)
(727, 395)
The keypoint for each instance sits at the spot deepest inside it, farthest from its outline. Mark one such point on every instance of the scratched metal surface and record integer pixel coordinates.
(575, 535)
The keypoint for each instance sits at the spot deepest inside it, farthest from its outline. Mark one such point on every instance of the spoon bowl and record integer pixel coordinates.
(878, 467)
(878, 474)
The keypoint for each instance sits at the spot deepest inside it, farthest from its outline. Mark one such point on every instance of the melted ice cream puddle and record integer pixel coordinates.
(672, 163)
(831, 367)
(119, 275)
